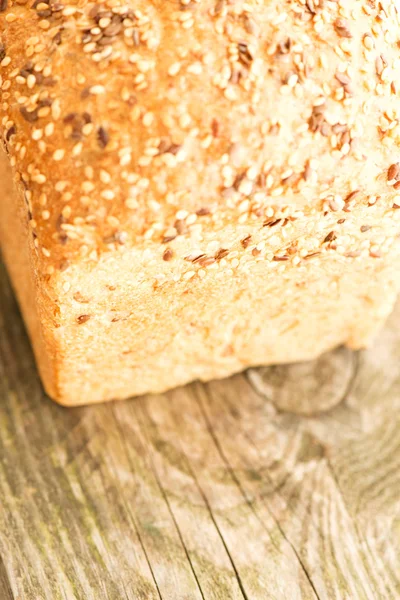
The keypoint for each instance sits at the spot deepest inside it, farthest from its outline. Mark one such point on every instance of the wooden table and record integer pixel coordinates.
(280, 483)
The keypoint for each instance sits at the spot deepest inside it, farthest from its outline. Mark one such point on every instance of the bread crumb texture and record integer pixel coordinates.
(206, 134)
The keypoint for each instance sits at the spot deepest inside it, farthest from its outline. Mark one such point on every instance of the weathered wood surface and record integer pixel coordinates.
(278, 484)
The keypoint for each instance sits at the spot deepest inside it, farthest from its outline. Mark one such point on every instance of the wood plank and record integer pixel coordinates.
(5, 588)
(278, 483)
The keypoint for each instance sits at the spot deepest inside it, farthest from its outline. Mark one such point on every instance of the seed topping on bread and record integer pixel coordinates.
(145, 124)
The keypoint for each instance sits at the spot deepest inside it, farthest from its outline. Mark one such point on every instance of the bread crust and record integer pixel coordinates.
(161, 151)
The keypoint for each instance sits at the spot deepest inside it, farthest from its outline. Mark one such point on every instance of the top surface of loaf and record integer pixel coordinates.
(128, 121)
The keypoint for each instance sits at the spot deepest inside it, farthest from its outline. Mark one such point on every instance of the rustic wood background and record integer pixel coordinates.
(278, 484)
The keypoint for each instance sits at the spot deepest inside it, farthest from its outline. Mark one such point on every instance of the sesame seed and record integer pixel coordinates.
(59, 154)
(174, 69)
(96, 90)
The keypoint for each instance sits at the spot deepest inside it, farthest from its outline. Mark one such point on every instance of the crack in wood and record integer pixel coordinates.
(136, 528)
(245, 496)
(214, 521)
(166, 500)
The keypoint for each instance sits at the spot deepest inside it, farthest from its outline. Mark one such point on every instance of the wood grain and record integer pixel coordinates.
(278, 484)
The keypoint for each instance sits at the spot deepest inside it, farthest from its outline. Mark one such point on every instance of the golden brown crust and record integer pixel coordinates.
(130, 123)
(37, 305)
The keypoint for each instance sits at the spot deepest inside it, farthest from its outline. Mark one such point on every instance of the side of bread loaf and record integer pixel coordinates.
(199, 186)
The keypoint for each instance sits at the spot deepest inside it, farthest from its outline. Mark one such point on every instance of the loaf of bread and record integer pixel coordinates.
(192, 187)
